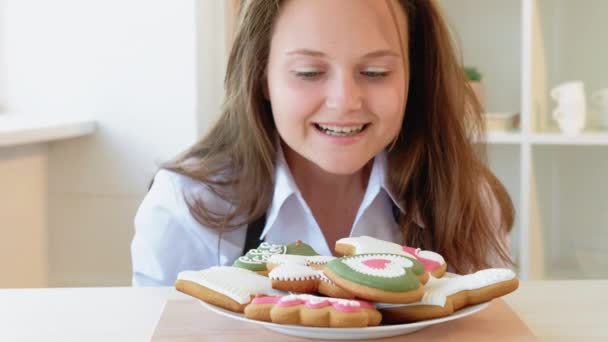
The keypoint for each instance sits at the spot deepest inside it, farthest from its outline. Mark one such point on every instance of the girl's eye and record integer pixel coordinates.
(375, 74)
(308, 75)
(311, 75)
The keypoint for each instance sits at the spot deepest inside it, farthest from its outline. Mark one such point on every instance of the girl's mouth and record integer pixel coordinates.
(341, 131)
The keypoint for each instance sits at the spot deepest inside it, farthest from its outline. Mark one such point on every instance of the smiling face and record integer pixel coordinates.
(336, 80)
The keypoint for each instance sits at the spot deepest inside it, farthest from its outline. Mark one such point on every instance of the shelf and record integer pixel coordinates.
(515, 138)
(590, 138)
(505, 138)
(18, 130)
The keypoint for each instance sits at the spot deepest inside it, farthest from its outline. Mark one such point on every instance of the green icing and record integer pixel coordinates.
(300, 248)
(418, 267)
(407, 282)
(255, 259)
(256, 267)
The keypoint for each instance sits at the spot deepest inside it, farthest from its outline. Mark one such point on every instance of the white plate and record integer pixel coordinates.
(348, 333)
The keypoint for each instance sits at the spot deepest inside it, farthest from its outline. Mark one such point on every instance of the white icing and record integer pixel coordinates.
(293, 272)
(281, 259)
(436, 257)
(436, 290)
(248, 260)
(317, 300)
(262, 253)
(319, 259)
(367, 244)
(236, 283)
(324, 278)
(394, 268)
(266, 247)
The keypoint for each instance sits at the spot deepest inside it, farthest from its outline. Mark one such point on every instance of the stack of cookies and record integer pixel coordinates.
(374, 282)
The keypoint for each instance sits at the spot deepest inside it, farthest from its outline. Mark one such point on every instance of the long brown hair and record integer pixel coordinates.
(436, 168)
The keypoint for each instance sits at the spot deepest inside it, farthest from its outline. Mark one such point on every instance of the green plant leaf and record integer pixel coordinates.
(472, 74)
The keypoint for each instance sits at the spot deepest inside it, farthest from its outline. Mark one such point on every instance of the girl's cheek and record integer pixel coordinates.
(379, 99)
(299, 86)
(298, 96)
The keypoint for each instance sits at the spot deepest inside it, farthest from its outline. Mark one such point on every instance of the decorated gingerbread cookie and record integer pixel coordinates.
(255, 259)
(231, 288)
(379, 277)
(294, 278)
(433, 262)
(444, 296)
(313, 311)
(315, 261)
(300, 278)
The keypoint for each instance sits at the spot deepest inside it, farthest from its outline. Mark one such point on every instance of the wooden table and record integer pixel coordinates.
(553, 310)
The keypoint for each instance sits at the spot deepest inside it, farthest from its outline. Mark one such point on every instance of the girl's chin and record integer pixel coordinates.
(341, 167)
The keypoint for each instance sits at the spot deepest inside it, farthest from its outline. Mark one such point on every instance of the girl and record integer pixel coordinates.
(341, 118)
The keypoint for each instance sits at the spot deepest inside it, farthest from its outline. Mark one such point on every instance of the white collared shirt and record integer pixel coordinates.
(169, 240)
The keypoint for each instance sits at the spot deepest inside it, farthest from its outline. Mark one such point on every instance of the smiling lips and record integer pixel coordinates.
(341, 130)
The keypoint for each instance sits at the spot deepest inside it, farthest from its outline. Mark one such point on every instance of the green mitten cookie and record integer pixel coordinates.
(255, 259)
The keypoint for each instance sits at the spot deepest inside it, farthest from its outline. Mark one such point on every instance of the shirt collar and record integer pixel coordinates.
(285, 187)
(380, 165)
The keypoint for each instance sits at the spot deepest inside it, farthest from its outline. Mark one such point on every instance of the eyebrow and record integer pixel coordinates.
(373, 54)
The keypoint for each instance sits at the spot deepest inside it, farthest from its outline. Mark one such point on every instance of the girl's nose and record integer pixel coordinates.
(344, 94)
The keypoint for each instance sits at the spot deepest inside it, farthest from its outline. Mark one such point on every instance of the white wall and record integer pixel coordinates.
(500, 62)
(212, 50)
(136, 67)
(2, 62)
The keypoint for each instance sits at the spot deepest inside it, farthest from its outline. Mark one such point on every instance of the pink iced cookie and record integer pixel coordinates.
(313, 311)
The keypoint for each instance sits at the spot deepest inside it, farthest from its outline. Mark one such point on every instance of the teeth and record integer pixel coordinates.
(341, 131)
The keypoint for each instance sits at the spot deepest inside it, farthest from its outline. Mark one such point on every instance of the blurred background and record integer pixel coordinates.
(95, 94)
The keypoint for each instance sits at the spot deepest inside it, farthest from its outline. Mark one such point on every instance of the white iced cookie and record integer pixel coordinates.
(444, 296)
(300, 278)
(229, 287)
(315, 261)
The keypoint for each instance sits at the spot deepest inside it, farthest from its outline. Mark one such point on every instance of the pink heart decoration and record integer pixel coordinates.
(376, 263)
